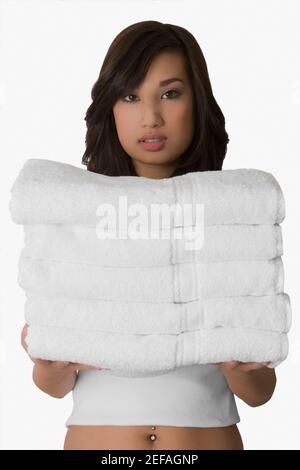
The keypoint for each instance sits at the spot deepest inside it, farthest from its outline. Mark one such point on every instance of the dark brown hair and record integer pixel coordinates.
(124, 68)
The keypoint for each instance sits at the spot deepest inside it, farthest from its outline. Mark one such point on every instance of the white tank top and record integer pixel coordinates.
(190, 396)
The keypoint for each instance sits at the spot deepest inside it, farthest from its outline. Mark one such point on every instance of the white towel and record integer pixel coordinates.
(267, 312)
(143, 355)
(68, 194)
(143, 307)
(79, 243)
(175, 283)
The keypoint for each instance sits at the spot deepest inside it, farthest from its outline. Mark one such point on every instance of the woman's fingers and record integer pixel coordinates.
(23, 336)
(42, 362)
(79, 366)
(245, 366)
(228, 364)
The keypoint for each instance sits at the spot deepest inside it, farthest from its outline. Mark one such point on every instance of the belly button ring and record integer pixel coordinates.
(153, 427)
(152, 437)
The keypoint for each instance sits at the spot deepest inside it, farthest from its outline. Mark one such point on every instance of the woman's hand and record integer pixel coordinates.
(59, 365)
(252, 382)
(238, 365)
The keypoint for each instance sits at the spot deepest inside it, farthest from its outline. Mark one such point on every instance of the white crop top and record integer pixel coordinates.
(190, 396)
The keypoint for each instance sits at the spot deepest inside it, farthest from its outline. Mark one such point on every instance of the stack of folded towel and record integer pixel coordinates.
(148, 305)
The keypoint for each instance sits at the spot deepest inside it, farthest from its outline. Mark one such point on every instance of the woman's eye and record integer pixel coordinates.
(177, 93)
(126, 97)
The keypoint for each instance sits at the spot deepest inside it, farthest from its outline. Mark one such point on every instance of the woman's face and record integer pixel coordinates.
(154, 109)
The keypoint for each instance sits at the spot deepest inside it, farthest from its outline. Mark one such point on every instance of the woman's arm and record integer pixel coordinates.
(252, 382)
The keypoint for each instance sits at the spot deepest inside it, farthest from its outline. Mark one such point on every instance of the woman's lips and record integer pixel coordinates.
(153, 146)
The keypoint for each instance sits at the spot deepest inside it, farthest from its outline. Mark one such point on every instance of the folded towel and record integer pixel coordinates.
(79, 243)
(68, 194)
(142, 355)
(175, 283)
(267, 312)
(145, 307)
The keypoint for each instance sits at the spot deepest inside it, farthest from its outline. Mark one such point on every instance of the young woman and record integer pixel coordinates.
(154, 83)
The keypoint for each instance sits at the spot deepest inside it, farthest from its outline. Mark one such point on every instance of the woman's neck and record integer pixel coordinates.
(154, 171)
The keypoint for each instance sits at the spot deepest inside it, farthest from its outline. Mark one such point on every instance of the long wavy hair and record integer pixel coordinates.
(124, 67)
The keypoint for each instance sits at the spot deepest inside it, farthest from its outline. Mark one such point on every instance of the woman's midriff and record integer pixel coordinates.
(163, 437)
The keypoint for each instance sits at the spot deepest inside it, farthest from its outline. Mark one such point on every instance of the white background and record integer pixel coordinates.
(51, 54)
